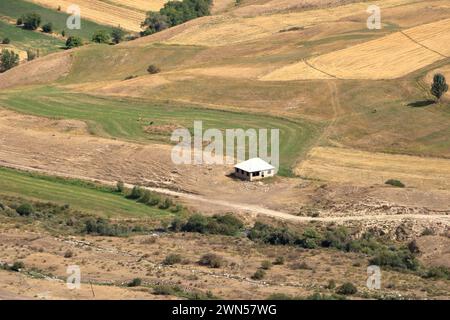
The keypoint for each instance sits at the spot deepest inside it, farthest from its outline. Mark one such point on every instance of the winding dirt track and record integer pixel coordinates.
(246, 207)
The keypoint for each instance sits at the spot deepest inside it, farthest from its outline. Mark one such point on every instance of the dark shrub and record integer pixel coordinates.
(195, 223)
(31, 21)
(172, 259)
(6, 41)
(68, 254)
(101, 36)
(135, 194)
(211, 260)
(17, 266)
(279, 261)
(225, 224)
(73, 42)
(166, 204)
(413, 247)
(272, 235)
(117, 35)
(440, 272)
(259, 274)
(400, 259)
(266, 265)
(136, 282)
(152, 69)
(25, 209)
(47, 28)
(8, 60)
(120, 187)
(395, 183)
(347, 288)
(331, 285)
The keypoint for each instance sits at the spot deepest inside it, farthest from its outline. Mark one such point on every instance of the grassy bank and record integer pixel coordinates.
(80, 195)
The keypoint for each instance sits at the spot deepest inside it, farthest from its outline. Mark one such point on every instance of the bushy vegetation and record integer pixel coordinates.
(6, 41)
(211, 260)
(30, 21)
(73, 42)
(8, 60)
(25, 209)
(177, 291)
(218, 224)
(440, 272)
(136, 282)
(48, 27)
(150, 199)
(172, 259)
(32, 54)
(347, 288)
(339, 238)
(63, 220)
(101, 36)
(259, 274)
(16, 266)
(395, 183)
(396, 259)
(117, 35)
(174, 13)
(152, 69)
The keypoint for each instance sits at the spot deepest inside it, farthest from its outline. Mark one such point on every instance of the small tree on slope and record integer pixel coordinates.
(439, 86)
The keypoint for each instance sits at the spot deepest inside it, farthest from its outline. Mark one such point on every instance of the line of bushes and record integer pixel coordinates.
(340, 238)
(149, 198)
(218, 224)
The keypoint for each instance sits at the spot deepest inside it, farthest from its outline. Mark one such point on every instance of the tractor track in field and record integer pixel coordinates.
(254, 209)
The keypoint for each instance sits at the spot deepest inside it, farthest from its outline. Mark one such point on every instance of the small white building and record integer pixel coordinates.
(254, 169)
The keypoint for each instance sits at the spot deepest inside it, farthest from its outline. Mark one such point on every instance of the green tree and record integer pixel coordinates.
(31, 21)
(117, 35)
(154, 22)
(25, 209)
(73, 42)
(439, 86)
(101, 36)
(9, 59)
(47, 28)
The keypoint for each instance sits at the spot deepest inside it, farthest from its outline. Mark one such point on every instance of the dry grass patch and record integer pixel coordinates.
(362, 168)
(222, 30)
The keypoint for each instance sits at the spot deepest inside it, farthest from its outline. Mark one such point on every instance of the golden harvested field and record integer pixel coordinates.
(221, 30)
(361, 167)
(389, 57)
(102, 12)
(142, 5)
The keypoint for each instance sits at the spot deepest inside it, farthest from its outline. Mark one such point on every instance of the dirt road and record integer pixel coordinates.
(242, 207)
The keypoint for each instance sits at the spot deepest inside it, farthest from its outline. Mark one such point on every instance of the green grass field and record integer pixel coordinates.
(17, 8)
(24, 39)
(126, 118)
(82, 196)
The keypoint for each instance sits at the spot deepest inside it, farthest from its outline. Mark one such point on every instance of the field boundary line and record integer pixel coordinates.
(317, 69)
(422, 45)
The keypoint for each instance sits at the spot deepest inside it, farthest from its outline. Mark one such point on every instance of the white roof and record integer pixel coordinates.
(255, 164)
